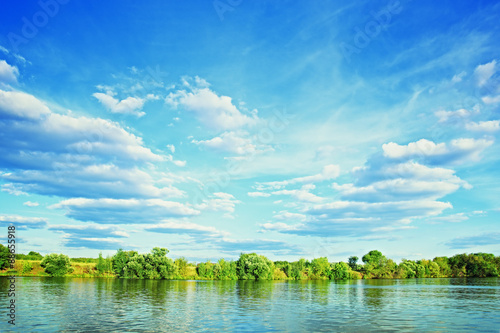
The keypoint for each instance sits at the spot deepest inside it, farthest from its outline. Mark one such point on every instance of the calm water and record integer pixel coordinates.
(115, 305)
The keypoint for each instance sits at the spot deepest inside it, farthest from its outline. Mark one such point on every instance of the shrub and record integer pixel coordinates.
(56, 264)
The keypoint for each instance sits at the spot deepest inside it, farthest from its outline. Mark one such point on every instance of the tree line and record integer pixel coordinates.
(252, 266)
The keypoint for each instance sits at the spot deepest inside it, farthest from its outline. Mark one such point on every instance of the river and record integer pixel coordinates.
(118, 305)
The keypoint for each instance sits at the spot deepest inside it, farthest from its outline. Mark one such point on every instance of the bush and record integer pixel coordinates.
(27, 267)
(56, 264)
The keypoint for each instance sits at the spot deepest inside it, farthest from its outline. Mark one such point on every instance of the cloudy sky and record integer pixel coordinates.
(292, 129)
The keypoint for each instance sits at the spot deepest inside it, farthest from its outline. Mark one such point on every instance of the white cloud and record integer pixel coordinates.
(399, 189)
(491, 100)
(90, 231)
(23, 222)
(220, 201)
(446, 115)
(458, 77)
(215, 112)
(458, 150)
(31, 204)
(229, 142)
(123, 211)
(42, 148)
(455, 218)
(484, 126)
(302, 195)
(258, 194)
(8, 73)
(484, 72)
(171, 148)
(330, 171)
(389, 210)
(184, 227)
(15, 104)
(421, 147)
(130, 105)
(288, 216)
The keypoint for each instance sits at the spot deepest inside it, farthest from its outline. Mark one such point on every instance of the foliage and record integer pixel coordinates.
(4, 256)
(320, 268)
(56, 264)
(252, 266)
(119, 261)
(353, 263)
(154, 265)
(340, 271)
(32, 255)
(27, 267)
(103, 265)
(182, 265)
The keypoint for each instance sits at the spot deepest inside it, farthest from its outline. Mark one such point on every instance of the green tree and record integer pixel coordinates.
(4, 256)
(101, 266)
(56, 264)
(353, 263)
(340, 271)
(182, 265)
(32, 255)
(444, 267)
(119, 261)
(252, 266)
(320, 267)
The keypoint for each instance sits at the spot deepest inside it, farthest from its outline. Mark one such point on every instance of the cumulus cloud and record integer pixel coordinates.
(31, 204)
(123, 211)
(23, 222)
(130, 105)
(484, 72)
(388, 193)
(8, 73)
(219, 202)
(94, 157)
(229, 142)
(484, 126)
(457, 151)
(214, 111)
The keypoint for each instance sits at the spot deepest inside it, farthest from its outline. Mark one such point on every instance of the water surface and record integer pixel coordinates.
(118, 305)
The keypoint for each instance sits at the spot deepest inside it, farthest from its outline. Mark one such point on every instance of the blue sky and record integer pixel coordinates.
(212, 128)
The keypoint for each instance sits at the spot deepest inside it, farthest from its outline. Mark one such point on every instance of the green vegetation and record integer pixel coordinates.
(251, 266)
(4, 256)
(56, 264)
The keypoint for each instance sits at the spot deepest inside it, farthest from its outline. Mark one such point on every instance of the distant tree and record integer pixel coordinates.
(353, 263)
(320, 267)
(252, 266)
(32, 255)
(102, 264)
(4, 256)
(340, 271)
(182, 265)
(373, 257)
(56, 264)
(119, 261)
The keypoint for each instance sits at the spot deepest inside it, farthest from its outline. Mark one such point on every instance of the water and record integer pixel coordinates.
(117, 305)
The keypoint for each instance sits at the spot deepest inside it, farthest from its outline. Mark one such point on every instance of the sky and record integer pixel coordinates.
(292, 129)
